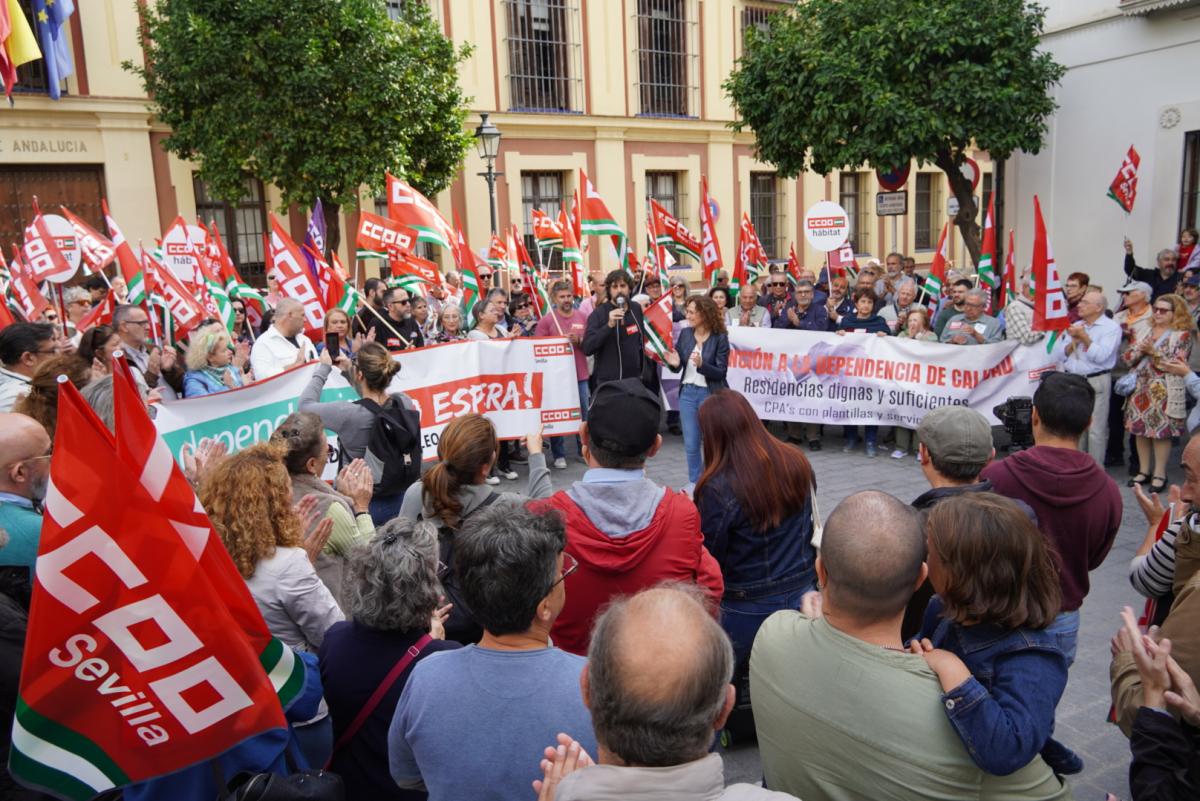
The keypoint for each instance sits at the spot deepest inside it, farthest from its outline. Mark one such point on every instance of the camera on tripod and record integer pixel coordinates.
(1016, 416)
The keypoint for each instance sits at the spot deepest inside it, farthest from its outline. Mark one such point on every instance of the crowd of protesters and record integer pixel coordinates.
(600, 640)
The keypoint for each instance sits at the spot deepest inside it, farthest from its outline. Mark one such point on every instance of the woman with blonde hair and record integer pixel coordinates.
(450, 323)
(248, 497)
(338, 322)
(455, 488)
(210, 363)
(1155, 411)
(371, 372)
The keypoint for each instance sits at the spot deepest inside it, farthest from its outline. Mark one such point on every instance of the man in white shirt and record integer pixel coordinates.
(23, 346)
(1091, 352)
(284, 344)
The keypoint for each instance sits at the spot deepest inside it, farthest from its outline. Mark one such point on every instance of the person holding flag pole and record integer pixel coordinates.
(563, 319)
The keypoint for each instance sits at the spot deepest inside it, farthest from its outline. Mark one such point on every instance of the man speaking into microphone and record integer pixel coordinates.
(614, 333)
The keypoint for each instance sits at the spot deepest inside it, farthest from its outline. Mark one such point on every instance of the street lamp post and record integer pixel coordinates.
(487, 141)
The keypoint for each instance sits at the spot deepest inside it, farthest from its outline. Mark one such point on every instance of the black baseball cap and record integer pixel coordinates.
(623, 417)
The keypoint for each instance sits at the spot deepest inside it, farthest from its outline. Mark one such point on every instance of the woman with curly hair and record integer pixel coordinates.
(248, 497)
(42, 401)
(391, 591)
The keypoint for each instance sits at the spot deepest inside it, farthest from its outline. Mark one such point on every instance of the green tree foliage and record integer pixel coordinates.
(833, 84)
(318, 97)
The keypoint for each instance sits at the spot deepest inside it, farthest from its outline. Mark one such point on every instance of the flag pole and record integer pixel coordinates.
(388, 325)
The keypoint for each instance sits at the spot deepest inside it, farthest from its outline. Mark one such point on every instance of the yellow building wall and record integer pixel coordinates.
(605, 136)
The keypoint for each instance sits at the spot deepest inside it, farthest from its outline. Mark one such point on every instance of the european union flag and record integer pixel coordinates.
(50, 16)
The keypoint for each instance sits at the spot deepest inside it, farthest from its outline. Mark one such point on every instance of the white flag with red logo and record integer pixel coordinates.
(43, 257)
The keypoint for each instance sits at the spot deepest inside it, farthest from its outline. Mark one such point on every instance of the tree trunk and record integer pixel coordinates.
(333, 229)
(1001, 235)
(967, 210)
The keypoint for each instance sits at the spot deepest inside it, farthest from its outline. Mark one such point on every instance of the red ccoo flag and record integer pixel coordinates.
(1123, 188)
(710, 247)
(118, 597)
(1050, 302)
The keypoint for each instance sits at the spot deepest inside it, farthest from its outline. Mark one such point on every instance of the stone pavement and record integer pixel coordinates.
(1082, 711)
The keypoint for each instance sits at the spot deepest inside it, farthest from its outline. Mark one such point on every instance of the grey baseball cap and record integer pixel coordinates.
(956, 434)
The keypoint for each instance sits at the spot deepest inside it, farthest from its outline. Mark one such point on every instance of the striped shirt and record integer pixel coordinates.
(1152, 573)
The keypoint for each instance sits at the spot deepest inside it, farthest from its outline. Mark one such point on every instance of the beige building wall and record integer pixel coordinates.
(103, 120)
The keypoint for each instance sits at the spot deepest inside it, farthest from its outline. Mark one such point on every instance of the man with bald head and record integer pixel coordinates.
(843, 711)
(284, 344)
(657, 685)
(24, 474)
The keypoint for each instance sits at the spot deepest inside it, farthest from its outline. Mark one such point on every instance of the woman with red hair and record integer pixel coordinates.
(755, 502)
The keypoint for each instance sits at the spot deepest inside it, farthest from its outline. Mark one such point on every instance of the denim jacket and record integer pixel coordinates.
(1004, 713)
(755, 564)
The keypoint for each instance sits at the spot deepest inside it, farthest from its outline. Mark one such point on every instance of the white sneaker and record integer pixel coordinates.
(510, 475)
(560, 463)
(493, 480)
(899, 454)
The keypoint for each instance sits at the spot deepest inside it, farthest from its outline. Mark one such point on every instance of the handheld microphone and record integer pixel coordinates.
(620, 301)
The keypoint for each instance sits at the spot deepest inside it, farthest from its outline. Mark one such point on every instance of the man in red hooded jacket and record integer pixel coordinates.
(626, 532)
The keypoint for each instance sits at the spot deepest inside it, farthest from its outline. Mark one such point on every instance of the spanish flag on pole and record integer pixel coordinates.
(17, 43)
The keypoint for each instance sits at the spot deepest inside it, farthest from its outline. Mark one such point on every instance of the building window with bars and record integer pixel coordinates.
(541, 190)
(543, 67)
(396, 8)
(766, 206)
(667, 79)
(756, 17)
(925, 210)
(852, 190)
(242, 225)
(1189, 206)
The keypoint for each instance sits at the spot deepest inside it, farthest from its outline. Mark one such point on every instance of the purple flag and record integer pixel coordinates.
(314, 237)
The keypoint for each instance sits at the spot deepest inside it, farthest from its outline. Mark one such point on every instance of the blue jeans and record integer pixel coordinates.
(742, 619)
(558, 446)
(871, 432)
(690, 398)
(385, 507)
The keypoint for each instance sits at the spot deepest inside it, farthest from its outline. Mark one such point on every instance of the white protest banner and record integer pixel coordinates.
(518, 384)
(857, 379)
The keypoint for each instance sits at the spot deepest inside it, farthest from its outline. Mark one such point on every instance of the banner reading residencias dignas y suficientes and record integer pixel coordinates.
(865, 379)
(518, 384)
